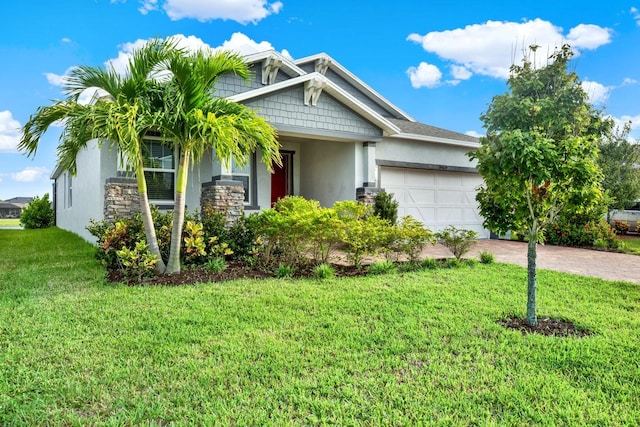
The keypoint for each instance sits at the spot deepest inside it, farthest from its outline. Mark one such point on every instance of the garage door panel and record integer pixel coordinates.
(436, 198)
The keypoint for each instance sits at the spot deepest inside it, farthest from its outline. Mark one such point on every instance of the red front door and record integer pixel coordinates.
(281, 178)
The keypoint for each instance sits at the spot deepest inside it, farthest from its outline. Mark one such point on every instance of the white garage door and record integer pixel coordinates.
(438, 199)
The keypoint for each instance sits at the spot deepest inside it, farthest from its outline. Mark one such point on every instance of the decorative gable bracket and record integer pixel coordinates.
(312, 90)
(322, 64)
(270, 67)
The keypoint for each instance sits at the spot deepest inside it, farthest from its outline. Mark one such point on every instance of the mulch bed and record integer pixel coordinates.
(234, 270)
(547, 327)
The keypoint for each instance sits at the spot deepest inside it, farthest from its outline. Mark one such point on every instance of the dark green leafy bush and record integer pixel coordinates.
(385, 207)
(38, 214)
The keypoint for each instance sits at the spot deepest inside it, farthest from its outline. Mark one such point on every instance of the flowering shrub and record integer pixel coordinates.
(575, 233)
(620, 227)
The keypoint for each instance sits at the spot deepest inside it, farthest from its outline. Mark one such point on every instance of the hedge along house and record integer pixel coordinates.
(340, 140)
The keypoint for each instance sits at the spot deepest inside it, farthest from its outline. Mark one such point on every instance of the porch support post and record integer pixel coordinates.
(369, 178)
(367, 193)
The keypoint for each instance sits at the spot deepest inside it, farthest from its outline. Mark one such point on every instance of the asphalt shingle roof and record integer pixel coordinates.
(428, 130)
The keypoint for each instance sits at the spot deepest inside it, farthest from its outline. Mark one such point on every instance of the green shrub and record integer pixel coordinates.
(240, 238)
(360, 233)
(382, 267)
(458, 241)
(38, 213)
(194, 248)
(285, 271)
(452, 263)
(486, 257)
(385, 207)
(217, 265)
(138, 262)
(430, 263)
(580, 232)
(324, 271)
(409, 238)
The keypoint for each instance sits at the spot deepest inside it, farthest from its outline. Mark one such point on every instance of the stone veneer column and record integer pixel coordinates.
(121, 198)
(226, 196)
(367, 195)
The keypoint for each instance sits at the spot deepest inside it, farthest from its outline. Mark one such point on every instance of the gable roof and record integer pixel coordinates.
(25, 200)
(335, 66)
(315, 83)
(403, 126)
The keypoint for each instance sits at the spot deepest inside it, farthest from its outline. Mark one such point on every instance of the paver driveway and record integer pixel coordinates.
(585, 262)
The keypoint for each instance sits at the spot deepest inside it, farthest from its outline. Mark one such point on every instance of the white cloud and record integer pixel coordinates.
(9, 132)
(491, 48)
(635, 14)
(30, 174)
(65, 40)
(588, 36)
(148, 6)
(597, 93)
(473, 133)
(58, 79)
(238, 42)
(425, 75)
(242, 11)
(623, 120)
(460, 72)
(629, 81)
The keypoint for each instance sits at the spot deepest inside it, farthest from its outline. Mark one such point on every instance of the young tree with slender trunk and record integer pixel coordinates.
(195, 120)
(539, 154)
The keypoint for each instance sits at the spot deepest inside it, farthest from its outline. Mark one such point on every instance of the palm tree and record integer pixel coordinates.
(197, 121)
(125, 110)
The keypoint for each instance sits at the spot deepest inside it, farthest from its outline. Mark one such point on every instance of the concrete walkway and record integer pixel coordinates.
(585, 262)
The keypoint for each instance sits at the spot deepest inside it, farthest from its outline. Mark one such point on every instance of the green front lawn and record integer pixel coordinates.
(9, 222)
(632, 244)
(399, 349)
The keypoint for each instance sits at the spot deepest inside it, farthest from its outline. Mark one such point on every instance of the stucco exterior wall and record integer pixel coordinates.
(327, 171)
(423, 152)
(94, 166)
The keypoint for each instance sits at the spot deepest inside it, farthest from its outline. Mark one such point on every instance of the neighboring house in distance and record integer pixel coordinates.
(9, 210)
(22, 202)
(340, 140)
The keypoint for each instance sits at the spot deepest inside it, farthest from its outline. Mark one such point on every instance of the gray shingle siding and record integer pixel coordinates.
(337, 79)
(309, 67)
(230, 84)
(286, 107)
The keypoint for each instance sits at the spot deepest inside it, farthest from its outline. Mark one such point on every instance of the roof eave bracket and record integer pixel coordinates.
(312, 90)
(270, 67)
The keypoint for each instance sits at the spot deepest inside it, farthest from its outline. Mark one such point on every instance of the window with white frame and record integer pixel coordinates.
(159, 168)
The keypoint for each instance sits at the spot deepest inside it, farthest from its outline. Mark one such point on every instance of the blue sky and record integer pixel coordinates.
(439, 61)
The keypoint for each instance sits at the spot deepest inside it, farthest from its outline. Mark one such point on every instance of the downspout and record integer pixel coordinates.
(54, 201)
